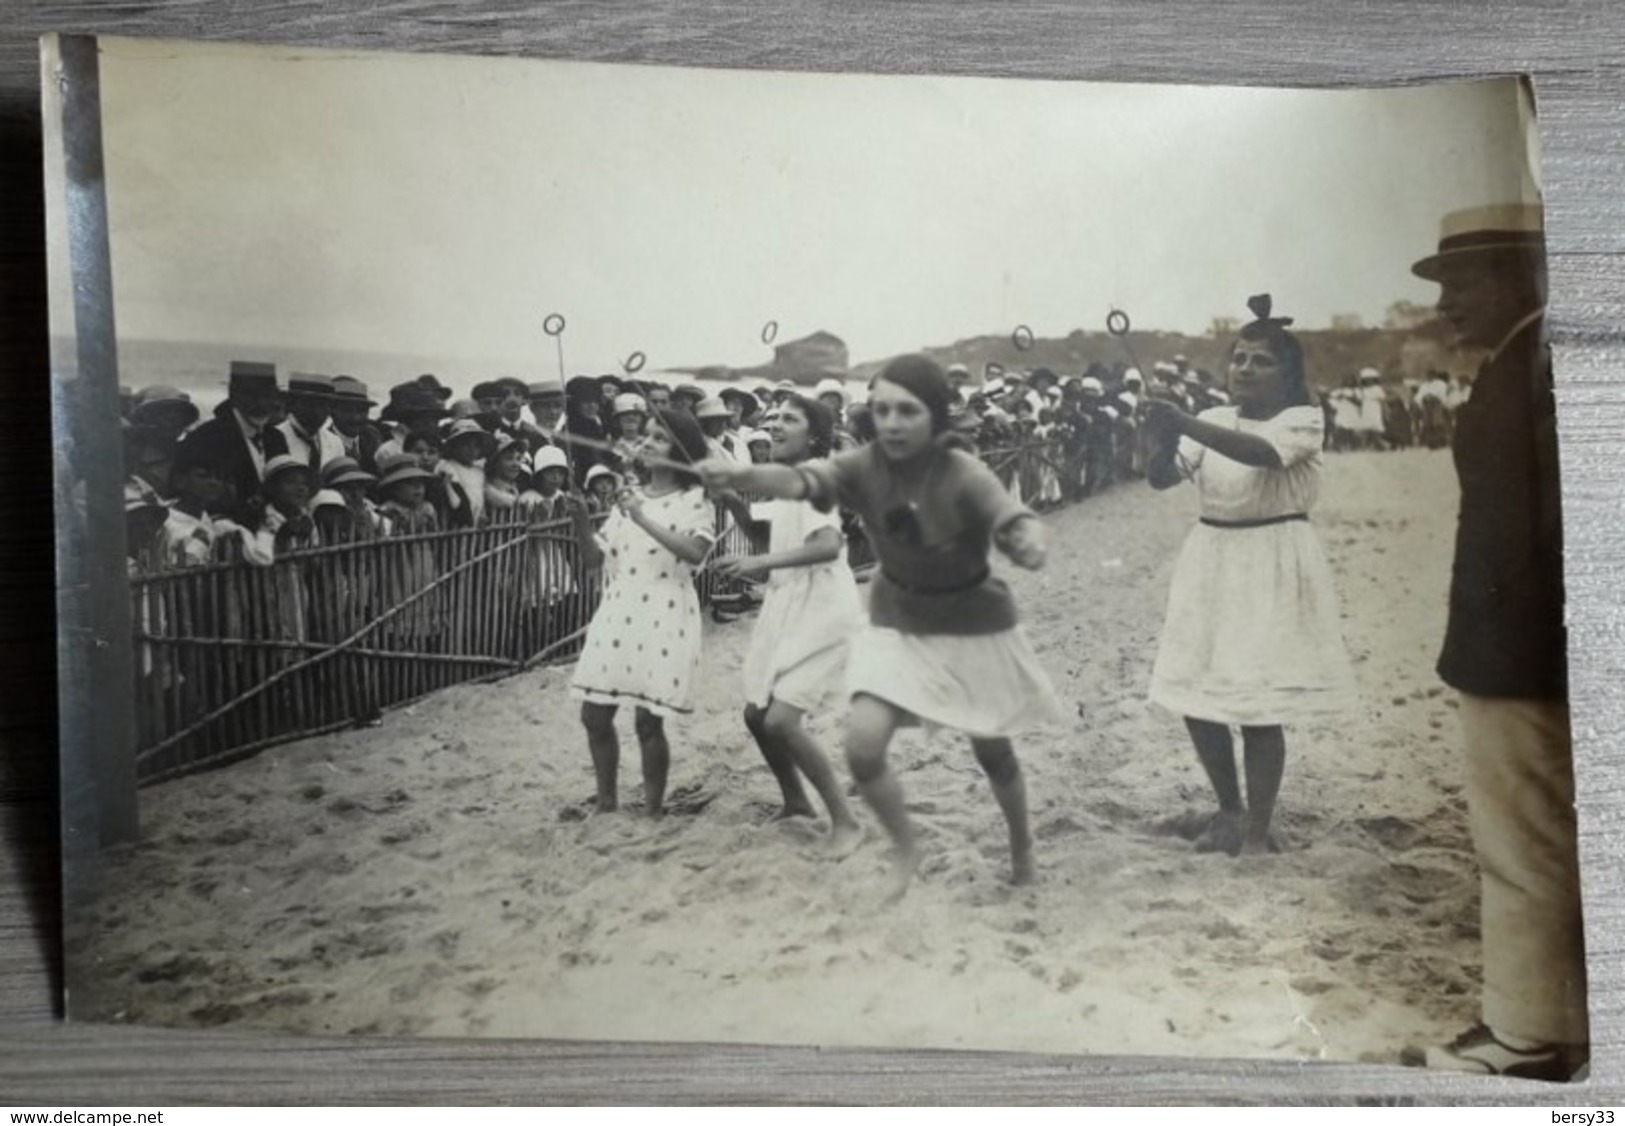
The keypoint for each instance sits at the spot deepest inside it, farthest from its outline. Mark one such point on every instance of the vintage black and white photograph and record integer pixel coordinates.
(655, 554)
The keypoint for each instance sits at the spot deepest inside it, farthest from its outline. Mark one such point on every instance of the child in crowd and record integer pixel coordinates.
(942, 645)
(504, 472)
(602, 486)
(464, 447)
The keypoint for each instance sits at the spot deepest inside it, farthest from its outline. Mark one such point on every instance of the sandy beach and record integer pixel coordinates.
(434, 876)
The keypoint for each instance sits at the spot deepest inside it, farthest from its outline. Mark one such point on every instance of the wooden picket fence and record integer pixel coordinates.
(231, 658)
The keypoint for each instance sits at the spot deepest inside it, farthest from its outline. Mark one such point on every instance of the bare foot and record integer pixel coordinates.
(1269, 846)
(904, 865)
(792, 809)
(1223, 834)
(1022, 871)
(844, 838)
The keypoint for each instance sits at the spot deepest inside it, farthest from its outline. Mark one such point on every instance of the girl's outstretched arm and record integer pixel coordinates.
(783, 481)
(1249, 449)
(823, 546)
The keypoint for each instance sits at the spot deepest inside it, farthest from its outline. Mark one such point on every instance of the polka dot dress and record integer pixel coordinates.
(643, 646)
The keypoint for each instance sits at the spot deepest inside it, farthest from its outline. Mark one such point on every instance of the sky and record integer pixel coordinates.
(445, 206)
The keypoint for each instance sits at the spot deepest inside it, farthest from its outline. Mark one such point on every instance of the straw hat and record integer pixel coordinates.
(629, 403)
(468, 428)
(395, 468)
(155, 404)
(542, 389)
(1466, 236)
(345, 471)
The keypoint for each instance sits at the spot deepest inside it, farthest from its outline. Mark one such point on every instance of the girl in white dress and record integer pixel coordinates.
(1252, 637)
(643, 646)
(797, 652)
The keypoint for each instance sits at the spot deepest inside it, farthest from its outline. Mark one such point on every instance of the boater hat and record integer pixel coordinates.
(1466, 235)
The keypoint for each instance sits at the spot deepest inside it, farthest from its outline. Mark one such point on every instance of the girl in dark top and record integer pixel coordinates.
(942, 645)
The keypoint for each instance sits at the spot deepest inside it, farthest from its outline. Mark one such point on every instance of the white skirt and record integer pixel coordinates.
(1252, 635)
(985, 685)
(798, 648)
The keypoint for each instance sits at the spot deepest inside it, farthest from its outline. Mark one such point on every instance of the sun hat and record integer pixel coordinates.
(754, 436)
(345, 471)
(712, 407)
(598, 471)
(629, 403)
(549, 457)
(283, 463)
(395, 468)
(542, 389)
(468, 428)
(159, 401)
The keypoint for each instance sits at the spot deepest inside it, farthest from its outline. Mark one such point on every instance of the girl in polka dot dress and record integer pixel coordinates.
(643, 646)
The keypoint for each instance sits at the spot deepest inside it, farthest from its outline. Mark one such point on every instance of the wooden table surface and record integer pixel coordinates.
(1576, 50)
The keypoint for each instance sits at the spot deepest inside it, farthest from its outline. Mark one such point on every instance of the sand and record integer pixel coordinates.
(432, 876)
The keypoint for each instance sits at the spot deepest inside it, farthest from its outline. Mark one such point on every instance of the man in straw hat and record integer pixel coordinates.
(1504, 651)
(306, 430)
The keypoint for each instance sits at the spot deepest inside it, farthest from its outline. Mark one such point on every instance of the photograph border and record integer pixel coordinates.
(1586, 352)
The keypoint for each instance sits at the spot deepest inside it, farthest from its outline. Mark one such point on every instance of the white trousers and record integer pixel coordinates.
(1520, 806)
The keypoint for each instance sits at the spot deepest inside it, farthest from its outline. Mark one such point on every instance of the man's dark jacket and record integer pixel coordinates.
(1506, 636)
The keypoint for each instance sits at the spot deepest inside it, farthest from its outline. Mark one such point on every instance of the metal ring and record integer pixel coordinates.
(1117, 322)
(554, 324)
(1022, 338)
(633, 363)
(770, 332)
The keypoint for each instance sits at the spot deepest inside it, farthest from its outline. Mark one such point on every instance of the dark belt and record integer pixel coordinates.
(970, 584)
(1261, 522)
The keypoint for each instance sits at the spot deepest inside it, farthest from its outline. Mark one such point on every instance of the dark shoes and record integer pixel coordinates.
(1478, 1051)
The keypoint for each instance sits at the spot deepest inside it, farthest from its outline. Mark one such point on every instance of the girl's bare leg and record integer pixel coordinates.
(869, 728)
(605, 746)
(998, 761)
(1264, 757)
(783, 725)
(1216, 751)
(656, 761)
(781, 762)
